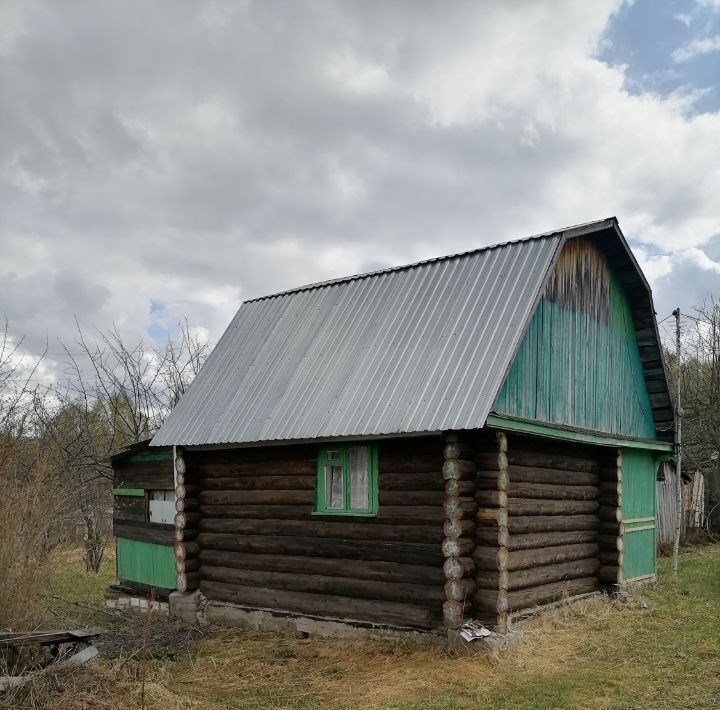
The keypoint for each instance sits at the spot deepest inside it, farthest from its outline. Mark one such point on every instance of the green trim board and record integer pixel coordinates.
(128, 492)
(578, 363)
(338, 456)
(145, 562)
(524, 426)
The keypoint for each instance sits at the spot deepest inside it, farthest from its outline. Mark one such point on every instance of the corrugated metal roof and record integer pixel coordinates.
(420, 348)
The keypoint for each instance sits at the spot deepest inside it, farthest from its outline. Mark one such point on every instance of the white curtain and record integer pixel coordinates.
(358, 470)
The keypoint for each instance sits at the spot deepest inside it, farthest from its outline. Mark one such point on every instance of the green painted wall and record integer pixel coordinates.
(638, 511)
(146, 563)
(574, 369)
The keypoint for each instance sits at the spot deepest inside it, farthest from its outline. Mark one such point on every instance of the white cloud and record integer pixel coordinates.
(684, 19)
(697, 48)
(693, 276)
(654, 266)
(354, 74)
(189, 158)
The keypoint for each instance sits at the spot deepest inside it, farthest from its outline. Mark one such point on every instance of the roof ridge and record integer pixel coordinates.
(582, 228)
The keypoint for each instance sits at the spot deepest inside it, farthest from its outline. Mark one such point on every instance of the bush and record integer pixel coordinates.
(28, 501)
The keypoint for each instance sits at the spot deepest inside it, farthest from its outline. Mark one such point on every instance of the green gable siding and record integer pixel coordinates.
(577, 369)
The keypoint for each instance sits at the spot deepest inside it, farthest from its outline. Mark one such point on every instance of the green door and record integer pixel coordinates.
(638, 512)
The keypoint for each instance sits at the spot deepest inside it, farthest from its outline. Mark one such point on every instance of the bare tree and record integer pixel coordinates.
(180, 363)
(16, 383)
(116, 393)
(700, 381)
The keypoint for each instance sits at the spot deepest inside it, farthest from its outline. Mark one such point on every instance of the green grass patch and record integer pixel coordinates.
(74, 595)
(73, 583)
(664, 656)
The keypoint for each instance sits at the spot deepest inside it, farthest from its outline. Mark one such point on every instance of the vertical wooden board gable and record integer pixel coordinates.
(579, 363)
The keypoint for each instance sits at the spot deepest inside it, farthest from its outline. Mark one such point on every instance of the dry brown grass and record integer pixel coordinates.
(28, 495)
(243, 670)
(592, 653)
(105, 686)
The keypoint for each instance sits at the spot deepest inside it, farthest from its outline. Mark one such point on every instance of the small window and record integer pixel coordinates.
(161, 507)
(347, 480)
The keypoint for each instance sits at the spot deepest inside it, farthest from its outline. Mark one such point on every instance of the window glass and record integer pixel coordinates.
(359, 474)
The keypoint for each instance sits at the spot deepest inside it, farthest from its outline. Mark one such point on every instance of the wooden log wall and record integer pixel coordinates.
(187, 519)
(492, 536)
(259, 544)
(611, 533)
(540, 519)
(458, 545)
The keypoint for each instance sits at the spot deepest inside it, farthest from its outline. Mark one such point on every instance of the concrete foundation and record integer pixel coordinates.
(136, 603)
(303, 626)
(193, 609)
(188, 607)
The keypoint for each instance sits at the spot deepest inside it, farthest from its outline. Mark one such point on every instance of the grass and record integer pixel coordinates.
(73, 583)
(73, 592)
(661, 653)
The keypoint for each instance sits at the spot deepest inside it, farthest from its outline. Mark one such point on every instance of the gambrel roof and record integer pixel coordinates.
(411, 349)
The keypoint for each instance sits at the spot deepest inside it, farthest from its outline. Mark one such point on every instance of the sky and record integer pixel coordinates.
(170, 159)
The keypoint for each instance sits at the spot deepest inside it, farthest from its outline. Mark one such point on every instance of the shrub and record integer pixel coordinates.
(28, 500)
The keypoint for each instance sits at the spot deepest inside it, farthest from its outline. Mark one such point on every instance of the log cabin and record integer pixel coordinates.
(461, 438)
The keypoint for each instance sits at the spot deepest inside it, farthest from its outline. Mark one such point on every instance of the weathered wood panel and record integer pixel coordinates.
(130, 508)
(545, 593)
(407, 552)
(262, 483)
(131, 530)
(155, 475)
(580, 363)
(322, 529)
(350, 586)
(328, 566)
(345, 608)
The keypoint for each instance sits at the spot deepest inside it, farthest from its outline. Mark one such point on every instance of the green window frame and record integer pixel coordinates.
(339, 457)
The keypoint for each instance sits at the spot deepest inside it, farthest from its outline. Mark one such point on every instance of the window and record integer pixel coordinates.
(347, 480)
(161, 507)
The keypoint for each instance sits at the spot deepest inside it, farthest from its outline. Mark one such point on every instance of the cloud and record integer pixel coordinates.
(694, 276)
(193, 155)
(697, 48)
(684, 19)
(712, 4)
